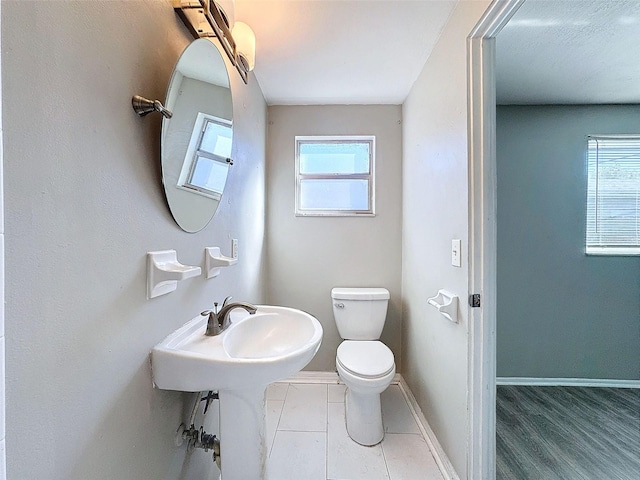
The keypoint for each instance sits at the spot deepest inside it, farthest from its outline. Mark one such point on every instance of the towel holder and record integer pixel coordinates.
(164, 272)
(447, 304)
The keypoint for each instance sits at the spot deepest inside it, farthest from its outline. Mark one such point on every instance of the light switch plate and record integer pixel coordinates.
(456, 253)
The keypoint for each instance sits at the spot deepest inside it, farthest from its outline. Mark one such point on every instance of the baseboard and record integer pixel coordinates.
(313, 377)
(443, 462)
(568, 382)
(305, 376)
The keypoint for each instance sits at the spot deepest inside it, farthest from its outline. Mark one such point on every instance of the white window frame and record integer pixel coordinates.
(370, 176)
(592, 207)
(193, 151)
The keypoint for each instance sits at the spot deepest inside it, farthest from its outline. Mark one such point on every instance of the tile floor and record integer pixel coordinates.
(307, 438)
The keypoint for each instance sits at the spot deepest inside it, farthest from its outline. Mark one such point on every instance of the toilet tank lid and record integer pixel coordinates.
(360, 293)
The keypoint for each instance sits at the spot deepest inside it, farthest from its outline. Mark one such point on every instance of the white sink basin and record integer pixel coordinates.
(255, 350)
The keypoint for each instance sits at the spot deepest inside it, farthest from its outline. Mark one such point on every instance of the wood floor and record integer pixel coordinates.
(567, 433)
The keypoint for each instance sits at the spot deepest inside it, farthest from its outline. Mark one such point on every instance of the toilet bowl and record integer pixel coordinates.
(365, 381)
(364, 364)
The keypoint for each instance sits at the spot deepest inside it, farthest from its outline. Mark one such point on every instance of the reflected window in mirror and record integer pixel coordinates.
(197, 140)
(206, 164)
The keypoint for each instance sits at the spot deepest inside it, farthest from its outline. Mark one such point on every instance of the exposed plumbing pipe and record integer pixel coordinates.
(194, 410)
(198, 438)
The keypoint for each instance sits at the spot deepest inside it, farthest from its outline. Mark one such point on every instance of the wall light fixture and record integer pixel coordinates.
(205, 18)
(245, 45)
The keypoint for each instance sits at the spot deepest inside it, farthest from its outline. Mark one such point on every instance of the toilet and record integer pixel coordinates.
(364, 364)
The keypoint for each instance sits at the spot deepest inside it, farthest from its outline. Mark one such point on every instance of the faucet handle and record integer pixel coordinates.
(213, 325)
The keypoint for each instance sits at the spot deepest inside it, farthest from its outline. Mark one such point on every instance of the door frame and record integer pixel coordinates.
(481, 115)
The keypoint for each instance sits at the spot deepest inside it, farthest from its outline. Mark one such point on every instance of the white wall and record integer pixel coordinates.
(435, 211)
(84, 203)
(307, 256)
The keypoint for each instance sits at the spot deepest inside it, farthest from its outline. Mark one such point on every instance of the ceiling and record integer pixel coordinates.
(341, 51)
(570, 52)
(371, 51)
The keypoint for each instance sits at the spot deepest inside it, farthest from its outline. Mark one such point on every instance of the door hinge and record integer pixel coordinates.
(474, 300)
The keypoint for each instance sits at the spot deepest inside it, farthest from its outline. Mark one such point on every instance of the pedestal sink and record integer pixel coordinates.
(253, 352)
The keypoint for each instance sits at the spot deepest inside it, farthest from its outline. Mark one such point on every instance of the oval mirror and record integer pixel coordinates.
(196, 140)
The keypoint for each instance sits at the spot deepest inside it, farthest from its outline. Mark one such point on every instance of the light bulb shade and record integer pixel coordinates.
(228, 11)
(245, 45)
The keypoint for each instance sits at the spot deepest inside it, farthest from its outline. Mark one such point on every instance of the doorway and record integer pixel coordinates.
(483, 235)
(568, 321)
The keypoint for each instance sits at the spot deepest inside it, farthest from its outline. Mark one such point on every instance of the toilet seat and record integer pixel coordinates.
(365, 358)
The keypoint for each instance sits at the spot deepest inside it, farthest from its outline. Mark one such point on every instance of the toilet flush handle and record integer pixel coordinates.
(339, 305)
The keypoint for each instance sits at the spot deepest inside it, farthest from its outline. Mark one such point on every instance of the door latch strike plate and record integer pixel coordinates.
(474, 300)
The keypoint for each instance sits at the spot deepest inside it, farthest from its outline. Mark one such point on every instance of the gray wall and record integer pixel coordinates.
(84, 204)
(3, 449)
(560, 313)
(435, 211)
(307, 256)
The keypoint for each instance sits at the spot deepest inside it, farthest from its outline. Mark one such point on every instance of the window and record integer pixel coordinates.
(206, 164)
(334, 176)
(613, 195)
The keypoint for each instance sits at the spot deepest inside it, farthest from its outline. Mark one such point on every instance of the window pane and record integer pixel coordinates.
(334, 158)
(343, 195)
(216, 139)
(209, 174)
(613, 194)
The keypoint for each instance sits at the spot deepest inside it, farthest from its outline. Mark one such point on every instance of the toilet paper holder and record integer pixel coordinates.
(447, 304)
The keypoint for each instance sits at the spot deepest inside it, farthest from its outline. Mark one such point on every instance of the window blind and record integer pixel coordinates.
(613, 195)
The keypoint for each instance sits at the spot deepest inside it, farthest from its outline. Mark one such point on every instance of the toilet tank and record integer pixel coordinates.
(360, 313)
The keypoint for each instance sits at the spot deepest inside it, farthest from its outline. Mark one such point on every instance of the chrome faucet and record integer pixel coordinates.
(219, 321)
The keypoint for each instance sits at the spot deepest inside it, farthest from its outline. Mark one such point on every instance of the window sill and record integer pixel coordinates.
(335, 214)
(613, 251)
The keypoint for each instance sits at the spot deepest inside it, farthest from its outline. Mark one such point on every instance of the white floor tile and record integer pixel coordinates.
(336, 392)
(277, 391)
(347, 459)
(396, 416)
(274, 409)
(298, 456)
(305, 409)
(308, 440)
(409, 458)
